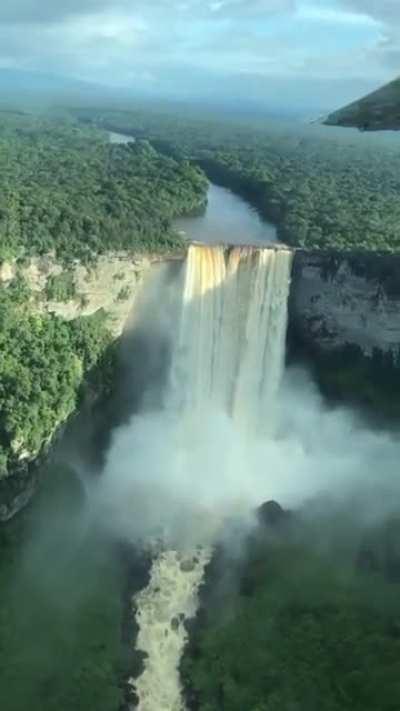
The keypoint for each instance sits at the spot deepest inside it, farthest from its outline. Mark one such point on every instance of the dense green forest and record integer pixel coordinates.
(43, 362)
(325, 188)
(61, 588)
(66, 189)
(299, 625)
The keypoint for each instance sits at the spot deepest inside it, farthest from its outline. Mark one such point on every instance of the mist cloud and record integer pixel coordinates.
(183, 479)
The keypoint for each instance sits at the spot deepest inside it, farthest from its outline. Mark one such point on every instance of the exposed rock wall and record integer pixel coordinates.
(339, 300)
(110, 284)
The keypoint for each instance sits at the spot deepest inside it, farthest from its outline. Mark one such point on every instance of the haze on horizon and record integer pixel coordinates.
(281, 55)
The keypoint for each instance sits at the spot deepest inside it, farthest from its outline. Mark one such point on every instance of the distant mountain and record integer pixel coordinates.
(15, 80)
(24, 89)
(378, 111)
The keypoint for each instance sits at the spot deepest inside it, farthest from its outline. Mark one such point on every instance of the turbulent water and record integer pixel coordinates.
(228, 359)
(234, 320)
(169, 600)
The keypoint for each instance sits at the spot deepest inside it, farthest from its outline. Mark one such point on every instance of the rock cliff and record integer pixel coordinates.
(110, 283)
(340, 300)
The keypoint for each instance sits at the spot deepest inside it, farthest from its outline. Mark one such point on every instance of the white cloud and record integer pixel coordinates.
(148, 41)
(386, 11)
(334, 16)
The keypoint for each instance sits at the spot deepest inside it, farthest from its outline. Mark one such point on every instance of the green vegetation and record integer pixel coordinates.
(308, 631)
(325, 188)
(370, 382)
(61, 287)
(65, 189)
(61, 587)
(124, 293)
(44, 360)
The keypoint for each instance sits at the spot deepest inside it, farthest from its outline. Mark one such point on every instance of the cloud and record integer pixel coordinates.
(31, 11)
(381, 10)
(386, 51)
(47, 11)
(85, 41)
(119, 37)
(334, 16)
(126, 42)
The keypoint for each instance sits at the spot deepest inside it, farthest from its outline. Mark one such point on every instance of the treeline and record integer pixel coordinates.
(298, 625)
(324, 187)
(44, 360)
(66, 189)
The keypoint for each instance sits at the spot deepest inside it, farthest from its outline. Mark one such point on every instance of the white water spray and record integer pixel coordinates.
(231, 350)
(228, 361)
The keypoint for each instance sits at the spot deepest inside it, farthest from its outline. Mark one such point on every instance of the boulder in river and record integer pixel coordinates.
(272, 515)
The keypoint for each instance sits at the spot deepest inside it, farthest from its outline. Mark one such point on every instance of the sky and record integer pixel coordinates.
(310, 53)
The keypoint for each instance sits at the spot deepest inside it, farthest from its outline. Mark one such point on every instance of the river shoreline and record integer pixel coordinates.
(231, 215)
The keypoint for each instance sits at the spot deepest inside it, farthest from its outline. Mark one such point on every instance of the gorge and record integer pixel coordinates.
(210, 440)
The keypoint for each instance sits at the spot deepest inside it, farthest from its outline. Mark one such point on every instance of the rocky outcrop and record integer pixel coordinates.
(340, 300)
(17, 490)
(109, 283)
(271, 515)
(379, 551)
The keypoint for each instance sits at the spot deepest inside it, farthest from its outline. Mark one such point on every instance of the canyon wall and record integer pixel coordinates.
(337, 301)
(110, 284)
(340, 300)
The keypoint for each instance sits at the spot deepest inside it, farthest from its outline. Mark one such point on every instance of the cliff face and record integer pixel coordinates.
(339, 300)
(110, 283)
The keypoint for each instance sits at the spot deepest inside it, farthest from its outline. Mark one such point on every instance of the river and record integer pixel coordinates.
(120, 138)
(228, 218)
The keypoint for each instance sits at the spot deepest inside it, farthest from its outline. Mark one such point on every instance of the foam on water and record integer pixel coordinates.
(162, 608)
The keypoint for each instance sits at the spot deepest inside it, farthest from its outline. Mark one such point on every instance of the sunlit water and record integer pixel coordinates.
(228, 219)
(120, 138)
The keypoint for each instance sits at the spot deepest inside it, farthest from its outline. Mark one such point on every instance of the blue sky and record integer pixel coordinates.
(321, 52)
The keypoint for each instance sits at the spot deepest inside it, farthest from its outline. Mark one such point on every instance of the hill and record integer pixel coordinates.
(376, 112)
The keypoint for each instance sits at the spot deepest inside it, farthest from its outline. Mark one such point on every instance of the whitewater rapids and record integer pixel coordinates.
(228, 361)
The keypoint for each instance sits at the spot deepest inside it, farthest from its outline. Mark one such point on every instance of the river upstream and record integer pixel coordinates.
(61, 582)
(229, 219)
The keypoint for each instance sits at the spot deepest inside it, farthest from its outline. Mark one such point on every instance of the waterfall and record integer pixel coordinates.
(228, 360)
(231, 350)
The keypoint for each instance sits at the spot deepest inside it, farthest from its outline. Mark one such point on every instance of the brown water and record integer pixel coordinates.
(228, 218)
